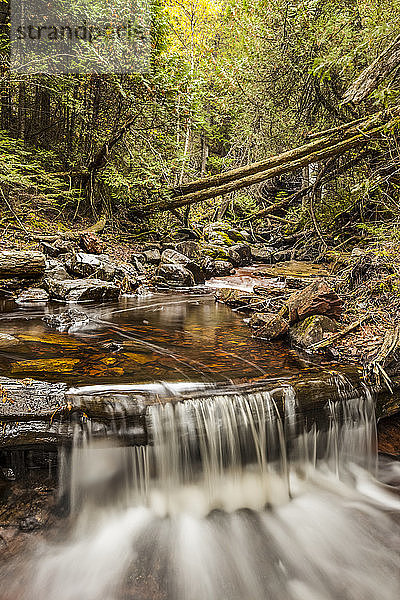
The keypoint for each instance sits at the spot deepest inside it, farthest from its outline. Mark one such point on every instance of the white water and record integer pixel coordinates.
(232, 501)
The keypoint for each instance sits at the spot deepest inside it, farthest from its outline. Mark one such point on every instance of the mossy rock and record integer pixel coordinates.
(312, 330)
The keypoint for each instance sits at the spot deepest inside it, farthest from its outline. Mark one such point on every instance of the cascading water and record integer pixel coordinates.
(234, 498)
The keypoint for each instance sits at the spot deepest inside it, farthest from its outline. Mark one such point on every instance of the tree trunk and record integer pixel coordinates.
(376, 72)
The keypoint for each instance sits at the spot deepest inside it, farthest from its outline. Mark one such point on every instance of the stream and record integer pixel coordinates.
(233, 497)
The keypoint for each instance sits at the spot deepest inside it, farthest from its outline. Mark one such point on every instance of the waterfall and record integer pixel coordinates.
(233, 498)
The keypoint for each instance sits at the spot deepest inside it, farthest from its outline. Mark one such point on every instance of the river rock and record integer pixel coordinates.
(262, 254)
(82, 264)
(311, 330)
(273, 328)
(238, 298)
(240, 255)
(190, 249)
(152, 256)
(13, 263)
(315, 299)
(258, 319)
(8, 341)
(80, 290)
(32, 295)
(175, 275)
(176, 258)
(55, 270)
(70, 319)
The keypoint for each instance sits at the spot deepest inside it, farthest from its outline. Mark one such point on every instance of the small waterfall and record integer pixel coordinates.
(235, 497)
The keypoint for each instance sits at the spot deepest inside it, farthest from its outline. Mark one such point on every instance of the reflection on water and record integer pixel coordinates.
(159, 337)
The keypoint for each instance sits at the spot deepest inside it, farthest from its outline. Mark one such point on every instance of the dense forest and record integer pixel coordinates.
(230, 83)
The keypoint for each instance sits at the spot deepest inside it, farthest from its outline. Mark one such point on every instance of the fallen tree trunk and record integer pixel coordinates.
(298, 158)
(324, 139)
(374, 74)
(71, 235)
(21, 264)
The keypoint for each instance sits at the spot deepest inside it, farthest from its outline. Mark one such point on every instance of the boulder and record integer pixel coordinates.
(173, 257)
(8, 341)
(190, 249)
(91, 243)
(216, 268)
(58, 247)
(152, 256)
(80, 290)
(82, 264)
(240, 255)
(30, 264)
(315, 299)
(55, 269)
(273, 328)
(258, 319)
(70, 319)
(32, 295)
(311, 330)
(284, 255)
(175, 275)
(262, 254)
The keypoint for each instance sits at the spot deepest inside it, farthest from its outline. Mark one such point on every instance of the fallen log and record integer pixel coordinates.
(284, 163)
(28, 264)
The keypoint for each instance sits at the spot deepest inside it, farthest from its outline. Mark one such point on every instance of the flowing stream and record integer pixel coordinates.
(234, 497)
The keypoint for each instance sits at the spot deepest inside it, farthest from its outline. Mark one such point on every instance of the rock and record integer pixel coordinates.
(30, 524)
(223, 233)
(274, 327)
(79, 290)
(152, 256)
(222, 268)
(176, 258)
(67, 320)
(55, 270)
(49, 250)
(8, 341)
(262, 254)
(238, 298)
(58, 247)
(15, 263)
(82, 264)
(175, 275)
(190, 249)
(240, 255)
(258, 319)
(137, 260)
(311, 330)
(33, 295)
(315, 299)
(284, 255)
(91, 243)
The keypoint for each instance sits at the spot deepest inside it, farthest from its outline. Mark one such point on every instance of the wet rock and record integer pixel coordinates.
(80, 290)
(258, 319)
(55, 270)
(29, 524)
(240, 255)
(8, 341)
(82, 264)
(273, 328)
(25, 398)
(238, 298)
(315, 299)
(284, 255)
(66, 320)
(33, 295)
(138, 260)
(176, 258)
(91, 243)
(216, 268)
(262, 254)
(15, 263)
(152, 256)
(312, 330)
(175, 275)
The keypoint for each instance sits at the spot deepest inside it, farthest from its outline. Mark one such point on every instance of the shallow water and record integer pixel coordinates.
(168, 337)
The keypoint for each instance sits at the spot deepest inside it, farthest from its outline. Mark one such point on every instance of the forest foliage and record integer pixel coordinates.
(231, 82)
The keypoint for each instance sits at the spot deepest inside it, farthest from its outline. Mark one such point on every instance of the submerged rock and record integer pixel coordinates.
(66, 320)
(315, 299)
(274, 327)
(311, 330)
(80, 290)
(8, 341)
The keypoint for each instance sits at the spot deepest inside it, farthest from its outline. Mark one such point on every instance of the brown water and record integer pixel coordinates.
(167, 337)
